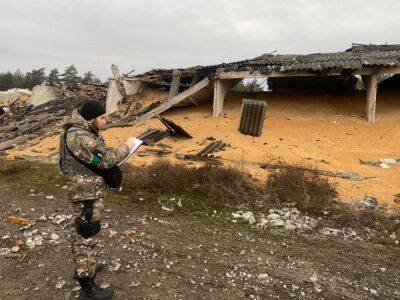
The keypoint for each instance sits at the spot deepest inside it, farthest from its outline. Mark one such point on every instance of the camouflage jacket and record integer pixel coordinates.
(88, 146)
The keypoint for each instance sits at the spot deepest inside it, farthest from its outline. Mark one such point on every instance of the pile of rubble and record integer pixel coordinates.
(288, 218)
(23, 123)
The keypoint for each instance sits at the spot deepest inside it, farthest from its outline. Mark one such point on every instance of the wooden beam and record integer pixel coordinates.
(177, 99)
(176, 80)
(371, 85)
(221, 88)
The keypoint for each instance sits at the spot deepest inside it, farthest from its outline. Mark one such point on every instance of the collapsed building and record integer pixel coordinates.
(374, 66)
(341, 71)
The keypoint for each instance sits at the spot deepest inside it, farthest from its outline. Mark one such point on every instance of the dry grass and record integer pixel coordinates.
(309, 191)
(30, 174)
(211, 184)
(216, 186)
(13, 167)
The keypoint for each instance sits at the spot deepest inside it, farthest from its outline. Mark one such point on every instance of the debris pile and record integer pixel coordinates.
(212, 147)
(384, 163)
(288, 218)
(152, 136)
(23, 123)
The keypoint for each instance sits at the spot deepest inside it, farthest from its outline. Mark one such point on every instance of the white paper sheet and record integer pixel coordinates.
(137, 144)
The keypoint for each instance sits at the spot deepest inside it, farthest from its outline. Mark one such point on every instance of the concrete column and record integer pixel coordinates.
(221, 88)
(176, 80)
(371, 85)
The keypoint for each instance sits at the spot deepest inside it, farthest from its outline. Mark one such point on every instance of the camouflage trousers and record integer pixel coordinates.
(83, 244)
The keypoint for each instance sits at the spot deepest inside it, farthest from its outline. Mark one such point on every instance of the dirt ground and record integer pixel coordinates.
(155, 254)
(323, 130)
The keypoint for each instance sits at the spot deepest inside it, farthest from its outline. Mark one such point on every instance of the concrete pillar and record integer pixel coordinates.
(371, 85)
(221, 88)
(176, 80)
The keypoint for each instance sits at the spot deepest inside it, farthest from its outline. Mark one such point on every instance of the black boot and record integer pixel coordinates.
(89, 290)
(98, 268)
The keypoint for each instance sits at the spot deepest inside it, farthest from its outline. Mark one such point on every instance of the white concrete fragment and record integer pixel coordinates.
(60, 284)
(166, 208)
(289, 226)
(248, 217)
(15, 249)
(263, 276)
(389, 161)
(54, 236)
(236, 216)
(114, 96)
(277, 223)
(273, 217)
(384, 166)
(111, 233)
(329, 231)
(42, 94)
(30, 243)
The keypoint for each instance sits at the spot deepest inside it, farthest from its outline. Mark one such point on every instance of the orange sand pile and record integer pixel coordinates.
(298, 128)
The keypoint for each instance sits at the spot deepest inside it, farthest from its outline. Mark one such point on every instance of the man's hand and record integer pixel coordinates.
(130, 142)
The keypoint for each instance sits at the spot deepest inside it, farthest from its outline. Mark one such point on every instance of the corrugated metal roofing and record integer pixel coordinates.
(357, 57)
(325, 61)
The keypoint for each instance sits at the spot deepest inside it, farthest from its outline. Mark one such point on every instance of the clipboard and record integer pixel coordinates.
(137, 144)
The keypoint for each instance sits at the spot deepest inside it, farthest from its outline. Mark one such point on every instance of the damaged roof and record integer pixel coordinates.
(357, 57)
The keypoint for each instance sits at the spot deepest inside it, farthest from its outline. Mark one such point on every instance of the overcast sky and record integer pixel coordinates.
(141, 35)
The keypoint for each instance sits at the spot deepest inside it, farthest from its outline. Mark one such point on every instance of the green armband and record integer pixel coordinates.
(95, 161)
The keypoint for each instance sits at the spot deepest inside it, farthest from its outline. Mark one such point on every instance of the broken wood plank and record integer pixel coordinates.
(13, 142)
(21, 220)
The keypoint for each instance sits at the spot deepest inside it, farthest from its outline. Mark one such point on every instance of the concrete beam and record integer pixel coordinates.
(256, 74)
(221, 88)
(186, 94)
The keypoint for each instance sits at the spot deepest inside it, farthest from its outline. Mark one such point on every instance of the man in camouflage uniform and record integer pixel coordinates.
(82, 150)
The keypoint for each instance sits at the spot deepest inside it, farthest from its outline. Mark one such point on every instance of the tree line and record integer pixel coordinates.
(18, 79)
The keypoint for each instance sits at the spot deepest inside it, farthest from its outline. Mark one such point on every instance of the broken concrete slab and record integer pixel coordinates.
(114, 96)
(42, 94)
(12, 95)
